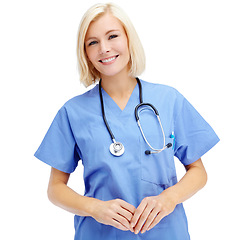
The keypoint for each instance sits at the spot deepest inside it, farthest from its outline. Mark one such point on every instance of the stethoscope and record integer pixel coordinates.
(117, 148)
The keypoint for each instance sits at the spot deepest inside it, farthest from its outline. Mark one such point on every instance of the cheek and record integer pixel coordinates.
(90, 54)
(123, 48)
(90, 57)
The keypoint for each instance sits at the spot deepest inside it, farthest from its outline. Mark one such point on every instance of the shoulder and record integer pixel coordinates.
(161, 90)
(83, 100)
(81, 105)
(165, 97)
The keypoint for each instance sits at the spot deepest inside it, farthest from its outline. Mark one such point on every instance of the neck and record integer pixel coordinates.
(118, 86)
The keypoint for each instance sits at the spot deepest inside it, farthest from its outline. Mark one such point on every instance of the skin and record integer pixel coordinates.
(106, 39)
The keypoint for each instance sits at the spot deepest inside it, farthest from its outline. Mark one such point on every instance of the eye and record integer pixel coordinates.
(92, 43)
(113, 36)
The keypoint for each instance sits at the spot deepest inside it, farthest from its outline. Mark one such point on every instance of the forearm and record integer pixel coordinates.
(152, 209)
(63, 196)
(194, 180)
(117, 212)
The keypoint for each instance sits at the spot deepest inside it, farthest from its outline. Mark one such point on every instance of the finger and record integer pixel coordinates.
(150, 220)
(118, 225)
(144, 216)
(122, 220)
(127, 210)
(125, 213)
(127, 206)
(158, 218)
(138, 213)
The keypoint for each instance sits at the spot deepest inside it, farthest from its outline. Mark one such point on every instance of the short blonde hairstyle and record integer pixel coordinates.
(88, 74)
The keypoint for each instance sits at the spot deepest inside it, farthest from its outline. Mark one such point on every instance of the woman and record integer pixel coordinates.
(131, 190)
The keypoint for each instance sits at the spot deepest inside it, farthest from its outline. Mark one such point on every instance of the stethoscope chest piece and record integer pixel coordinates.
(117, 149)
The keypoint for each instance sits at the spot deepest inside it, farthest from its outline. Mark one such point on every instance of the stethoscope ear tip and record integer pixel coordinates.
(147, 152)
(168, 145)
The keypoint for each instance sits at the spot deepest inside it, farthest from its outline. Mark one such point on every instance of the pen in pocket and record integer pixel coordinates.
(173, 140)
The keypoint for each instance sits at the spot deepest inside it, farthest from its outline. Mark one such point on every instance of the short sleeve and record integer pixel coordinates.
(58, 148)
(193, 135)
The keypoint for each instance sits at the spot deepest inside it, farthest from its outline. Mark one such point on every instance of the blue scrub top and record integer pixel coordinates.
(78, 133)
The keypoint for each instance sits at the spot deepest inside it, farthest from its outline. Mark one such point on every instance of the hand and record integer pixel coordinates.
(151, 210)
(116, 213)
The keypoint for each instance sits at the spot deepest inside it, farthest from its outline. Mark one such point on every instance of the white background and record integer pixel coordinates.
(198, 47)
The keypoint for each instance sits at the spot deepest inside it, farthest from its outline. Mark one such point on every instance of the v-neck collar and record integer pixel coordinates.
(111, 105)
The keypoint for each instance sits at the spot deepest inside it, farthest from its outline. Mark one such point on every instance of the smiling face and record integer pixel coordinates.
(106, 46)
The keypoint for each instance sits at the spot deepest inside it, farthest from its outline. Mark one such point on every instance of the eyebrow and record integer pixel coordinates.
(113, 30)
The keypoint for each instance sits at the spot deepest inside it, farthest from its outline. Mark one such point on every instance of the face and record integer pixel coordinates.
(106, 46)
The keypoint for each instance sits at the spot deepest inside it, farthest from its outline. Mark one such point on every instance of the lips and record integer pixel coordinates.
(109, 59)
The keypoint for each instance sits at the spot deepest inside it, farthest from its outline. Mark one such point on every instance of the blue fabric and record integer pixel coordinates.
(78, 132)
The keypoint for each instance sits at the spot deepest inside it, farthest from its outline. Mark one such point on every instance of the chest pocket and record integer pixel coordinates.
(158, 168)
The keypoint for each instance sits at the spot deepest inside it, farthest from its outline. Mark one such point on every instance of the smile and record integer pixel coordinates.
(108, 60)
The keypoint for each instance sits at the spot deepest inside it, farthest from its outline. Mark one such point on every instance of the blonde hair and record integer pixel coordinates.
(88, 74)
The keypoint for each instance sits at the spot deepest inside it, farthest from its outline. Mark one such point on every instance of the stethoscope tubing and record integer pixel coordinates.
(103, 109)
(103, 114)
(139, 125)
(115, 145)
(144, 104)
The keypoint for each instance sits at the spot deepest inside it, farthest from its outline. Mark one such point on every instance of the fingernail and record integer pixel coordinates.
(136, 231)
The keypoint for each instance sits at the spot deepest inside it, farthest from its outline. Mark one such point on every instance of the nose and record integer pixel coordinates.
(104, 47)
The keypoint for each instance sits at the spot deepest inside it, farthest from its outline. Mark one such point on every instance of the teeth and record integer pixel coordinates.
(108, 60)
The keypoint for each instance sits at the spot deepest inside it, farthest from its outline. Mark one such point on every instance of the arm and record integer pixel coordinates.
(152, 209)
(117, 213)
(194, 180)
(62, 196)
